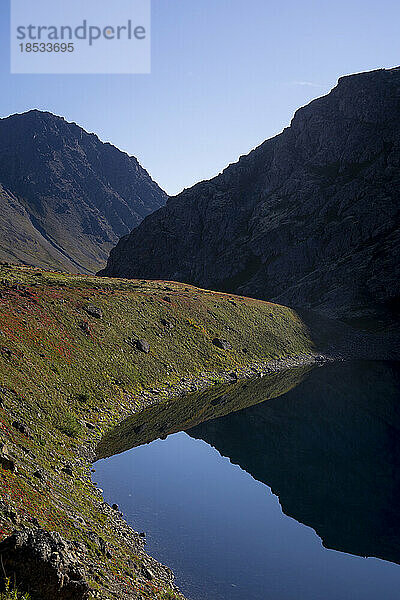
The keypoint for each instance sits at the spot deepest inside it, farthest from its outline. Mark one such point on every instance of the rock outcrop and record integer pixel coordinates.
(44, 564)
(309, 219)
(65, 196)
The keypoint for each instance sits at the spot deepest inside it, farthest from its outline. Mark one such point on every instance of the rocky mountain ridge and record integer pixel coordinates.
(65, 196)
(310, 218)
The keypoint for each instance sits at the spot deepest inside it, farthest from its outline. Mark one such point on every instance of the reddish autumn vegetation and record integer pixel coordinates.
(79, 353)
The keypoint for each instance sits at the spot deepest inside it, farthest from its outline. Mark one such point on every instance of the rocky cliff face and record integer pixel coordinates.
(309, 219)
(65, 196)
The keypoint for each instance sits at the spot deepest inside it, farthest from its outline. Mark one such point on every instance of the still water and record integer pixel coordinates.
(281, 500)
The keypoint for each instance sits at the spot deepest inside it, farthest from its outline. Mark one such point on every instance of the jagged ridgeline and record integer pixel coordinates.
(65, 196)
(309, 219)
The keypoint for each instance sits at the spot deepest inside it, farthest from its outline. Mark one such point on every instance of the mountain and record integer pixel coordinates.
(309, 219)
(65, 196)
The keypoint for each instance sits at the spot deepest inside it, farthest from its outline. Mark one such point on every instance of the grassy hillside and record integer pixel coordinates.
(21, 242)
(77, 354)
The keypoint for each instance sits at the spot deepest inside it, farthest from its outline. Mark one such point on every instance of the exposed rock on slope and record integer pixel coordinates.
(65, 196)
(47, 565)
(310, 218)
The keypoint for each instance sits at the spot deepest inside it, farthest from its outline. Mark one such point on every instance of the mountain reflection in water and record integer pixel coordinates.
(326, 441)
(330, 450)
(165, 418)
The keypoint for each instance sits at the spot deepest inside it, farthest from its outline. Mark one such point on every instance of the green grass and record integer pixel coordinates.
(82, 371)
(68, 424)
(11, 593)
(69, 377)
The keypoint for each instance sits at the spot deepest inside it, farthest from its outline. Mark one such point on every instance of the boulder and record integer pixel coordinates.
(94, 311)
(21, 428)
(44, 564)
(143, 346)
(221, 343)
(84, 325)
(7, 463)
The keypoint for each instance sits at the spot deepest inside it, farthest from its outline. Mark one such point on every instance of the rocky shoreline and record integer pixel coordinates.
(67, 564)
(52, 515)
(151, 571)
(357, 346)
(205, 381)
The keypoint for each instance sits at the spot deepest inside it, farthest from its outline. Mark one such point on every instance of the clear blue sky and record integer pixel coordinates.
(226, 75)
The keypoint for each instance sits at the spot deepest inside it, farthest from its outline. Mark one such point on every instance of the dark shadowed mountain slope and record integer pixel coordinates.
(309, 219)
(65, 196)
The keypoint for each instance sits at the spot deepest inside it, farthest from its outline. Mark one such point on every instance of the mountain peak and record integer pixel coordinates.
(309, 218)
(75, 195)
